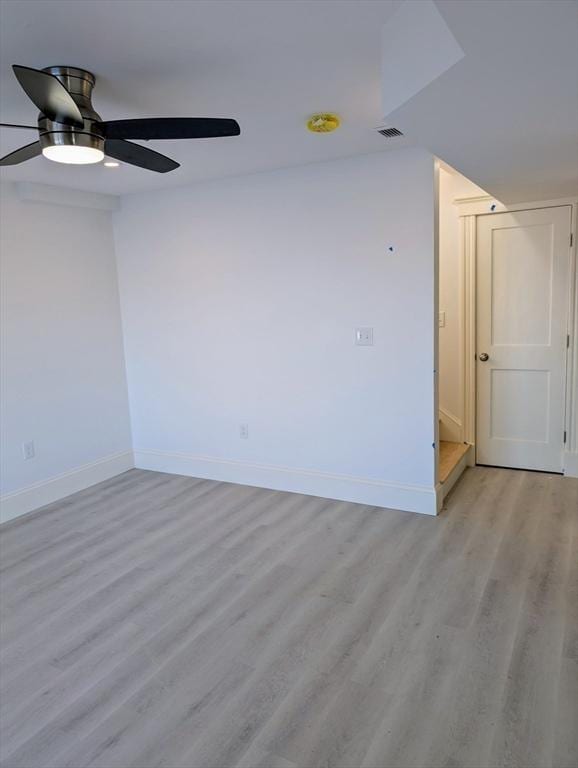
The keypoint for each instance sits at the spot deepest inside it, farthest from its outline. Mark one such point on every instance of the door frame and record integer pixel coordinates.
(469, 209)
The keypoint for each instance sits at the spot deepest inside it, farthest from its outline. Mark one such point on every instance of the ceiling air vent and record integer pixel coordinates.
(390, 133)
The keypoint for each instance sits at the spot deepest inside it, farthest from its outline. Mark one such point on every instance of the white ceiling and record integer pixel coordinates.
(269, 64)
(506, 114)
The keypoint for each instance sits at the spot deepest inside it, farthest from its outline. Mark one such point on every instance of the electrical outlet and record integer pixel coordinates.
(364, 337)
(244, 431)
(28, 450)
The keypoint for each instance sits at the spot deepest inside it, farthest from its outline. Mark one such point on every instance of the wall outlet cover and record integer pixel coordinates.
(28, 450)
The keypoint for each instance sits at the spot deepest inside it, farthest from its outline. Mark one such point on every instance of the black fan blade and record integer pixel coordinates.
(12, 125)
(49, 95)
(170, 128)
(22, 154)
(134, 154)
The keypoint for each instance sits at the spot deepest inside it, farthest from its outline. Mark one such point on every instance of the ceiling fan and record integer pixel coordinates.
(70, 131)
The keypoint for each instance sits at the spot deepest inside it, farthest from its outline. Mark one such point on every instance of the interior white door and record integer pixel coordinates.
(523, 264)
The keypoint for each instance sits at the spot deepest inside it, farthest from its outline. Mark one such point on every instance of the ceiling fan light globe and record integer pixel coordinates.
(72, 154)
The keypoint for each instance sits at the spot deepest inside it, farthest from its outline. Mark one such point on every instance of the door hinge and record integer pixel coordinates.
(571, 239)
(564, 437)
(567, 341)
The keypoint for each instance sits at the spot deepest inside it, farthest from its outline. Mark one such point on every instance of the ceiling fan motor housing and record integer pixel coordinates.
(79, 83)
(72, 132)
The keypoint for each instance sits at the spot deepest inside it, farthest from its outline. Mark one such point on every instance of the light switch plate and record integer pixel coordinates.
(364, 337)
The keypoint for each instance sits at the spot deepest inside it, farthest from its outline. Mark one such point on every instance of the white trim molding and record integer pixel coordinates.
(571, 424)
(468, 257)
(570, 464)
(486, 205)
(451, 428)
(55, 488)
(377, 493)
(443, 489)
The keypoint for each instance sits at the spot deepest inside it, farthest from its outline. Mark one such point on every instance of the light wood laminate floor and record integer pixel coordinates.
(450, 456)
(157, 620)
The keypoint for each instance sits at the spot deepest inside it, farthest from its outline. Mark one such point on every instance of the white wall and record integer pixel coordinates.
(452, 186)
(240, 299)
(63, 373)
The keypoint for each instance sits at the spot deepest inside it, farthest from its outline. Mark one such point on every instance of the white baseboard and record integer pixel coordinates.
(444, 488)
(38, 495)
(571, 464)
(450, 427)
(409, 498)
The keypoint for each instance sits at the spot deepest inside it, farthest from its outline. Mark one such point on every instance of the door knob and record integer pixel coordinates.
(484, 356)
